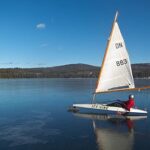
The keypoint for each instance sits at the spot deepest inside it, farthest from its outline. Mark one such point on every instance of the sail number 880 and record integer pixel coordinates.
(121, 62)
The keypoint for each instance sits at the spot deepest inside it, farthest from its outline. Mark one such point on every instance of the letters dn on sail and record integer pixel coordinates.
(118, 45)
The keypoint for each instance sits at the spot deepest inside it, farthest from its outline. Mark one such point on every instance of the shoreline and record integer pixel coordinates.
(69, 78)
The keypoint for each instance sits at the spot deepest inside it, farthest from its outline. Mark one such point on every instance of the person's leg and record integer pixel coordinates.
(115, 104)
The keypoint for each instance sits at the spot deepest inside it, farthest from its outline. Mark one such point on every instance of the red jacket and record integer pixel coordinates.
(129, 104)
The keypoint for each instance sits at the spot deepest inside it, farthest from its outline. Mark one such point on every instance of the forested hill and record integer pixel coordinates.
(68, 71)
(141, 70)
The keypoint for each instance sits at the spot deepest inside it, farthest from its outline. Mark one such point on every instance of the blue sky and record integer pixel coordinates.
(42, 33)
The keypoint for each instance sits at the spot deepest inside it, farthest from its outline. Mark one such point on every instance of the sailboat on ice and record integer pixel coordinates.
(115, 74)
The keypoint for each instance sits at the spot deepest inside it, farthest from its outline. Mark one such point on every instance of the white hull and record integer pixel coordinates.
(109, 108)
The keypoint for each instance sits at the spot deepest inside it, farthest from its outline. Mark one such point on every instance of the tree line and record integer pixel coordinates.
(68, 71)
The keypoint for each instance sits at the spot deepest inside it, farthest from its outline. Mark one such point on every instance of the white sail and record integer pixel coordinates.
(116, 70)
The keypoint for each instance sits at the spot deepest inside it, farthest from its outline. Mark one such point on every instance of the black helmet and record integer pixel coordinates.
(131, 96)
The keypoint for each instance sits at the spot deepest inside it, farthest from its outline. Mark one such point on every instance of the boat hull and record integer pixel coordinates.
(103, 108)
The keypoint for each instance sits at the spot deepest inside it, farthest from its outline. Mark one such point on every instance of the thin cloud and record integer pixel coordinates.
(6, 63)
(60, 48)
(44, 45)
(41, 64)
(41, 26)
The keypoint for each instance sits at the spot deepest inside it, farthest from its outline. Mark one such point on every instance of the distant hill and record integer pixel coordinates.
(141, 70)
(68, 71)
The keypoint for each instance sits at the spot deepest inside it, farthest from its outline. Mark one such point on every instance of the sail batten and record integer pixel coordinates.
(116, 68)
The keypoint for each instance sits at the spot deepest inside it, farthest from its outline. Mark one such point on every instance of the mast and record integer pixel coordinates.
(108, 42)
(116, 16)
(93, 97)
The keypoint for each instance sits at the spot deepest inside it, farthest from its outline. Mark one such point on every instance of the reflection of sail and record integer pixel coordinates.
(113, 140)
(111, 131)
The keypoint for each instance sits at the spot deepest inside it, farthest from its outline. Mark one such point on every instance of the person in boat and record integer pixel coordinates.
(125, 104)
(129, 103)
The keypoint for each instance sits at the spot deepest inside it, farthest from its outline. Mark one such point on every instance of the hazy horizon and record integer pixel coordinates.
(59, 66)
